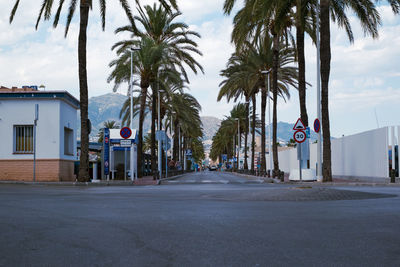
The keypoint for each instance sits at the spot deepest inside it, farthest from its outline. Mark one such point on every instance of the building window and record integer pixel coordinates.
(68, 141)
(23, 135)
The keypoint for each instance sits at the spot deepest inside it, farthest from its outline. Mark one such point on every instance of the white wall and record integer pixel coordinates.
(68, 119)
(363, 154)
(54, 114)
(360, 155)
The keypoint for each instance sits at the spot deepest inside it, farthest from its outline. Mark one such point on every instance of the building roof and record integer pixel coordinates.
(31, 93)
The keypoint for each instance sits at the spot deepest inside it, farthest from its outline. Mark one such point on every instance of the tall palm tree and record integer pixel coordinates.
(370, 20)
(84, 7)
(175, 38)
(110, 124)
(245, 69)
(257, 19)
(146, 61)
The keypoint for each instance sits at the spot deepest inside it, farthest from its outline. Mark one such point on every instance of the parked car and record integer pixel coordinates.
(213, 168)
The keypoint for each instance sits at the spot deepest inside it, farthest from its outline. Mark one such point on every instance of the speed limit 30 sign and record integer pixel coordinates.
(299, 136)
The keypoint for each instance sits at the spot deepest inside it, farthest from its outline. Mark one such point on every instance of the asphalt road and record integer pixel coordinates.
(225, 221)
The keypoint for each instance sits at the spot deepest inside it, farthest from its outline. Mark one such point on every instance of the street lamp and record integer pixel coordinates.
(238, 150)
(132, 49)
(159, 129)
(267, 72)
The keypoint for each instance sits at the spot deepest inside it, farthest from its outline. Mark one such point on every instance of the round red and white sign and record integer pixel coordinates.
(299, 136)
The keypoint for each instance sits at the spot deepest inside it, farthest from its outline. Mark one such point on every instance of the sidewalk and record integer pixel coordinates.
(336, 181)
(148, 180)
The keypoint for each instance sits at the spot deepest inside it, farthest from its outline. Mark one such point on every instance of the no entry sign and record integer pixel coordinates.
(299, 136)
(125, 132)
(317, 126)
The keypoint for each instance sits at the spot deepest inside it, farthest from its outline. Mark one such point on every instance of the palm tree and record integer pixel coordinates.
(364, 10)
(254, 22)
(84, 7)
(244, 70)
(145, 61)
(174, 38)
(110, 124)
(370, 20)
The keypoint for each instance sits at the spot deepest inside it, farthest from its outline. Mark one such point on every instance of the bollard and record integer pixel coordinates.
(393, 176)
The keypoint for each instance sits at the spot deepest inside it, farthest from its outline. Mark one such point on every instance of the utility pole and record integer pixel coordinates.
(34, 140)
(319, 144)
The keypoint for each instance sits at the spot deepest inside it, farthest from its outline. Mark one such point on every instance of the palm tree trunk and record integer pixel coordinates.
(325, 71)
(153, 133)
(253, 131)
(302, 74)
(143, 86)
(263, 107)
(83, 175)
(246, 132)
(275, 65)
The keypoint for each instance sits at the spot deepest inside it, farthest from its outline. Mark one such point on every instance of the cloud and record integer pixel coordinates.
(365, 73)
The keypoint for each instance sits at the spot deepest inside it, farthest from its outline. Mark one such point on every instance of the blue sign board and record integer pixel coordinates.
(167, 144)
(224, 157)
(308, 132)
(106, 149)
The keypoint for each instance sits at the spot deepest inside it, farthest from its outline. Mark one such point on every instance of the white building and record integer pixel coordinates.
(55, 134)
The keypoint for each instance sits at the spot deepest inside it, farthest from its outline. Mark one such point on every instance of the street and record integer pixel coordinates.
(200, 219)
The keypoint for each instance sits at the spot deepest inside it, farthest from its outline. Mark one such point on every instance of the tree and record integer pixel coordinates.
(84, 7)
(111, 124)
(145, 61)
(370, 20)
(244, 70)
(175, 40)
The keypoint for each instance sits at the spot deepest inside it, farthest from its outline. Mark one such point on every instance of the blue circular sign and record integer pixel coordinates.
(317, 126)
(125, 132)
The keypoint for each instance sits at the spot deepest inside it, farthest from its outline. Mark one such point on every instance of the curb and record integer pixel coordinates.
(169, 178)
(265, 179)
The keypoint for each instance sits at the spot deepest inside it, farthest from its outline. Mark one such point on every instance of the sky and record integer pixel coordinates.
(364, 90)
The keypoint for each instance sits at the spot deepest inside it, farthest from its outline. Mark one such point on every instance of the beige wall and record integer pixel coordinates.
(47, 170)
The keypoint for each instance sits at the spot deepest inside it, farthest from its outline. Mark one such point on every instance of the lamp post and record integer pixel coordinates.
(132, 49)
(267, 72)
(159, 130)
(319, 144)
(238, 144)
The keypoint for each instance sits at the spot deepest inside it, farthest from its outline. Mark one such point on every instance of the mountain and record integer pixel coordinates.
(210, 126)
(108, 106)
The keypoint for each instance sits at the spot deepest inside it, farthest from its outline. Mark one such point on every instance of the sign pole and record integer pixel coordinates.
(300, 161)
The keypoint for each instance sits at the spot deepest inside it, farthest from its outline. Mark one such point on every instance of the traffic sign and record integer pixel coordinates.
(299, 125)
(125, 143)
(125, 132)
(317, 126)
(161, 135)
(299, 136)
(308, 132)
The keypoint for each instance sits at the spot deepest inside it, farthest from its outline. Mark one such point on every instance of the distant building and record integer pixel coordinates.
(56, 133)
